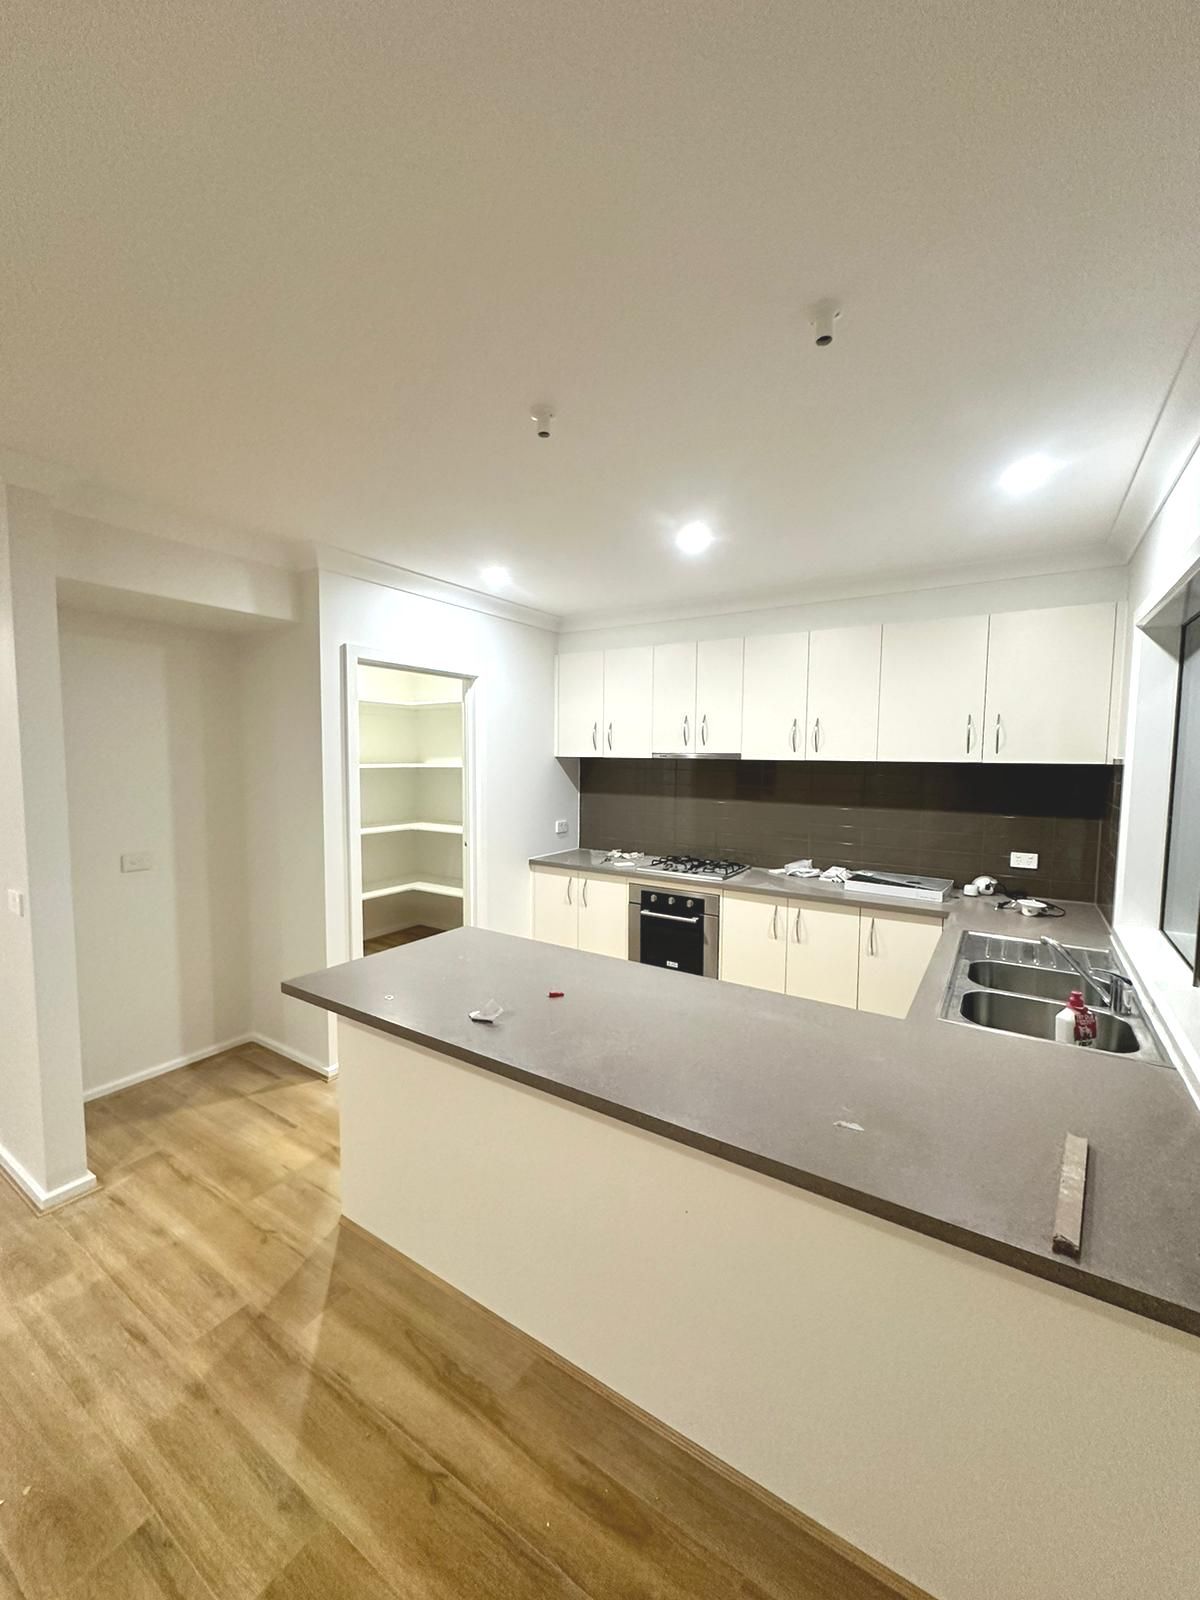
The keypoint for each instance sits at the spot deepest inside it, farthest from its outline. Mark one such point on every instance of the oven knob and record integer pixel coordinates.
(671, 900)
(653, 899)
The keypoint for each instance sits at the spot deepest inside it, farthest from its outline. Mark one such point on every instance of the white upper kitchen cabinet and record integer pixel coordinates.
(604, 916)
(1049, 682)
(931, 690)
(719, 697)
(843, 693)
(774, 696)
(580, 725)
(628, 685)
(674, 716)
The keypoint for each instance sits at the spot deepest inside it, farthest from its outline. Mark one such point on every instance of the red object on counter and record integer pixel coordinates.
(1085, 1018)
(556, 994)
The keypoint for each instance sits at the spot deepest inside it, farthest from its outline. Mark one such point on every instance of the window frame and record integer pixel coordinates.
(1190, 619)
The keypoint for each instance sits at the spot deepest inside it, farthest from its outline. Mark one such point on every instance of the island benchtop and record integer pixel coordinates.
(946, 1129)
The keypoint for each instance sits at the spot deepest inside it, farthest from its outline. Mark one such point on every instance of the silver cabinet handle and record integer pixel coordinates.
(798, 940)
(872, 944)
(610, 736)
(665, 916)
(595, 736)
(997, 733)
(817, 734)
(775, 922)
(585, 884)
(970, 730)
(685, 730)
(795, 723)
(704, 728)
(570, 881)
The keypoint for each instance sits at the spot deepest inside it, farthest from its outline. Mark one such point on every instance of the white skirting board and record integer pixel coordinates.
(985, 1434)
(309, 1062)
(43, 1199)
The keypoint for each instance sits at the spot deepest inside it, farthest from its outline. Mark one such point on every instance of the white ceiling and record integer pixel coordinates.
(302, 267)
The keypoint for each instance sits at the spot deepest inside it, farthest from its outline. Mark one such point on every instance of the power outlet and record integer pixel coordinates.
(16, 902)
(138, 861)
(562, 826)
(1023, 858)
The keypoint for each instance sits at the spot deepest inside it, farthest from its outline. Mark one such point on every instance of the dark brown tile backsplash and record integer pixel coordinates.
(1110, 822)
(950, 821)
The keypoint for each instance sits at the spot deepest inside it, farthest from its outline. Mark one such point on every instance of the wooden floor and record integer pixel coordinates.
(210, 1389)
(391, 941)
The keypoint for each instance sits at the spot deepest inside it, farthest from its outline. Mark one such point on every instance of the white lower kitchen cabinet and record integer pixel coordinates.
(555, 907)
(603, 905)
(754, 941)
(822, 952)
(895, 949)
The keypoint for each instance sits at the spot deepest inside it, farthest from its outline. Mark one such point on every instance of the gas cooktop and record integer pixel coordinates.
(698, 867)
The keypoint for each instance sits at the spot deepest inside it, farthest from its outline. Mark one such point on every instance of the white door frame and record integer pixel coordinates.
(355, 656)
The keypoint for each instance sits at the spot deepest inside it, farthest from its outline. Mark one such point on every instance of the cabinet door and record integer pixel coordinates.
(555, 907)
(674, 698)
(1049, 682)
(822, 952)
(895, 948)
(719, 696)
(843, 693)
(580, 704)
(604, 916)
(753, 941)
(628, 683)
(774, 696)
(931, 690)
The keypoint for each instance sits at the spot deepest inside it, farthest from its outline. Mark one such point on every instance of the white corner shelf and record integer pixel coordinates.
(414, 827)
(448, 764)
(376, 891)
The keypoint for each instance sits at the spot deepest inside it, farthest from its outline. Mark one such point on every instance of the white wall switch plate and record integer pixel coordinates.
(137, 861)
(562, 826)
(16, 902)
(1023, 858)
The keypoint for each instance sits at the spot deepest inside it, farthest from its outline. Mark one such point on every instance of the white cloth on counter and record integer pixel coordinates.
(835, 875)
(795, 869)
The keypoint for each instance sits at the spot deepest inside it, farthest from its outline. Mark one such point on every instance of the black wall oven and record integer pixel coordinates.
(672, 929)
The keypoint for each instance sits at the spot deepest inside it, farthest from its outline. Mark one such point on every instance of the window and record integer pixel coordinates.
(1181, 885)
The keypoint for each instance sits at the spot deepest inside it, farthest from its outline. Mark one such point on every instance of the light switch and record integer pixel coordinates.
(137, 861)
(562, 826)
(16, 902)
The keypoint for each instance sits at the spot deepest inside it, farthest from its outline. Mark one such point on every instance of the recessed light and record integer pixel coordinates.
(694, 538)
(1027, 474)
(496, 577)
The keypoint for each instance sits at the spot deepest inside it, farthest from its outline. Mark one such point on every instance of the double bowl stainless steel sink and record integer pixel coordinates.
(1019, 985)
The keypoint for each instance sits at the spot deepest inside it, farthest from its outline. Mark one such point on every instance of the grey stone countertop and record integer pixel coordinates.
(756, 880)
(961, 1130)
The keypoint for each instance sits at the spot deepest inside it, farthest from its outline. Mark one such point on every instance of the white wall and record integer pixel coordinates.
(154, 763)
(949, 600)
(41, 1105)
(280, 696)
(1162, 563)
(520, 787)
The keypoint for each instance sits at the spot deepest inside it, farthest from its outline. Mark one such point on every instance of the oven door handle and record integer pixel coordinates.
(665, 916)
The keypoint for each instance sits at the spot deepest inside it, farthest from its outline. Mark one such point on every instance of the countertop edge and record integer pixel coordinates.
(1052, 1269)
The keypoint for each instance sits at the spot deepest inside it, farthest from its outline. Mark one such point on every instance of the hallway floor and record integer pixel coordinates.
(210, 1389)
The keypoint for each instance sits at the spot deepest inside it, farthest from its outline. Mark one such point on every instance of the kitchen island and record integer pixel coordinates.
(790, 1232)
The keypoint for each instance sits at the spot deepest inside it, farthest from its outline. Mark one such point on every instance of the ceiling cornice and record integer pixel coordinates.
(1171, 443)
(348, 565)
